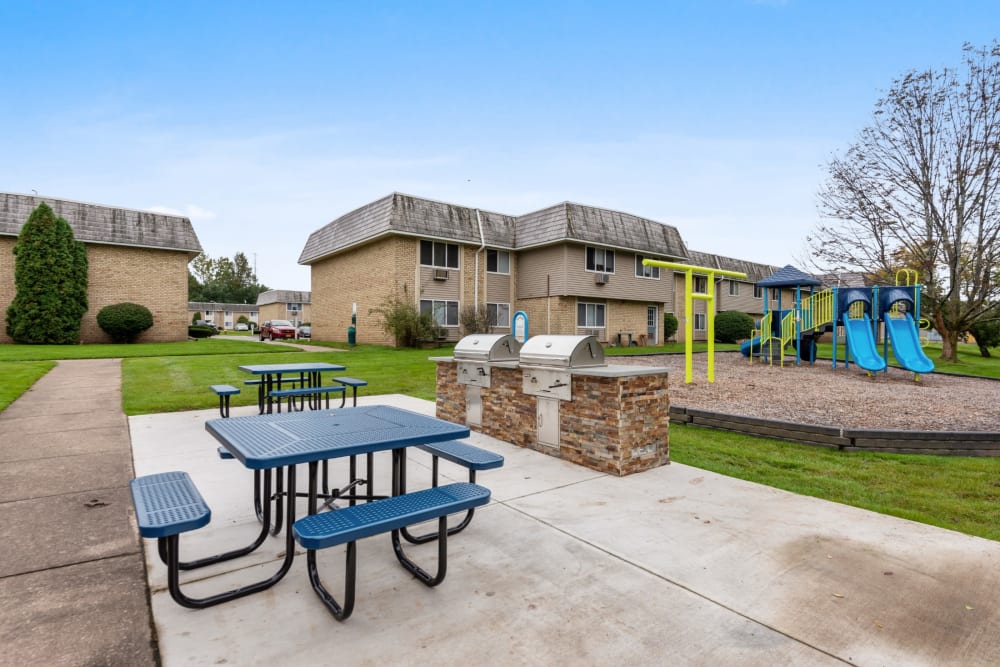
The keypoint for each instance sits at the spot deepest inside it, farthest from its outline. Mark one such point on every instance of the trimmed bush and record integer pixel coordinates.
(669, 326)
(732, 326)
(124, 321)
(200, 332)
(50, 282)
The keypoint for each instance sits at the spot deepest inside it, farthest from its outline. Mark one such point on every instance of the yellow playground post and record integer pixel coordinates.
(689, 299)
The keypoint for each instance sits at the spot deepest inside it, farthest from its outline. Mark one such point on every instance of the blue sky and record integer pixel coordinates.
(264, 121)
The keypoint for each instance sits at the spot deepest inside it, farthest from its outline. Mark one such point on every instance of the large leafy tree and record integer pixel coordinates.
(919, 190)
(50, 281)
(223, 280)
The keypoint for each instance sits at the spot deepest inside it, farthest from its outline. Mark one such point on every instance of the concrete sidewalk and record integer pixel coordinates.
(569, 566)
(72, 578)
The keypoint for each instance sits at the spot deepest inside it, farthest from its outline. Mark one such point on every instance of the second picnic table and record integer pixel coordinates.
(309, 374)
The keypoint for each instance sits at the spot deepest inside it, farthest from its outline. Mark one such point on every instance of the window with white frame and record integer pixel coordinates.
(758, 292)
(699, 321)
(590, 315)
(701, 284)
(497, 261)
(734, 288)
(445, 313)
(498, 314)
(439, 255)
(645, 271)
(600, 260)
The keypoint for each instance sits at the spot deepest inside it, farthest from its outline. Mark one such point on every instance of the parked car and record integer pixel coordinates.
(272, 329)
(305, 331)
(242, 327)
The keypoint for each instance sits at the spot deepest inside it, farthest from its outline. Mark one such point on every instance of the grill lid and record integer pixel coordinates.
(487, 347)
(562, 351)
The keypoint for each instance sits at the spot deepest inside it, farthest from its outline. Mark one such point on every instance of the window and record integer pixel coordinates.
(294, 307)
(734, 288)
(590, 315)
(600, 260)
(439, 255)
(497, 261)
(701, 284)
(775, 293)
(445, 313)
(645, 271)
(498, 314)
(699, 321)
(758, 292)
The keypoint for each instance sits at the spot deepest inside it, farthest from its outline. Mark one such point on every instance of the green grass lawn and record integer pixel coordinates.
(18, 376)
(167, 384)
(203, 346)
(960, 493)
(970, 361)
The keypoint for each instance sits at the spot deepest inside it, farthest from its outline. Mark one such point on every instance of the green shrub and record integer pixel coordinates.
(474, 320)
(732, 326)
(669, 326)
(987, 335)
(200, 331)
(50, 282)
(124, 321)
(197, 316)
(403, 321)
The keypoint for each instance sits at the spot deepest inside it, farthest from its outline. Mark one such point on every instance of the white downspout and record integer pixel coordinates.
(482, 247)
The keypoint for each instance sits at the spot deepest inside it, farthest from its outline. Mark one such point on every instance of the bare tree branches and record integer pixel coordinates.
(920, 189)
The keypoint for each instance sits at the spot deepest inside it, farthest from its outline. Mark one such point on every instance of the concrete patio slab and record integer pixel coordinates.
(671, 566)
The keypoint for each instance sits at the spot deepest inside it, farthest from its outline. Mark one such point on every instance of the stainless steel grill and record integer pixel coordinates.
(562, 352)
(474, 354)
(487, 347)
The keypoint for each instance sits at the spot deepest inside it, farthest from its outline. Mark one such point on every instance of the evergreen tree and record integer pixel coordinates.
(50, 281)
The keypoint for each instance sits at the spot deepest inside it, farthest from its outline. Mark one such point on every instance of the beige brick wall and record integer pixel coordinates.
(553, 315)
(365, 276)
(156, 279)
(6, 283)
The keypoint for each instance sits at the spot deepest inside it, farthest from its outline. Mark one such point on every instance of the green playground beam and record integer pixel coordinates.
(689, 299)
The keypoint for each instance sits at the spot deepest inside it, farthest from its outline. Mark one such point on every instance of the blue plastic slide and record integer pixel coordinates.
(750, 346)
(861, 343)
(905, 341)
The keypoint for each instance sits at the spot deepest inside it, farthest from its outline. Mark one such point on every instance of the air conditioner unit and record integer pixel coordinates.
(601, 278)
(440, 274)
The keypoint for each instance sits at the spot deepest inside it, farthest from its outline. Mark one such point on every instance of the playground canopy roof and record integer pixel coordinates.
(789, 276)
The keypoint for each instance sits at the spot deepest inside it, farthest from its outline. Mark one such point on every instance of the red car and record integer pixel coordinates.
(277, 329)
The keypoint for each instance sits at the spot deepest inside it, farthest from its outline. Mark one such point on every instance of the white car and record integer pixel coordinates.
(242, 327)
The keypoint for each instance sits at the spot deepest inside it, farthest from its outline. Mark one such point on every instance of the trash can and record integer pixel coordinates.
(351, 335)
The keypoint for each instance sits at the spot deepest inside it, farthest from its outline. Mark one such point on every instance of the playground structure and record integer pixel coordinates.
(860, 310)
(690, 296)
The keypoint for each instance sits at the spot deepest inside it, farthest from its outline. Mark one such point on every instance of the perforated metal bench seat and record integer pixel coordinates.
(465, 455)
(168, 503)
(461, 453)
(224, 391)
(353, 383)
(325, 390)
(319, 531)
(350, 524)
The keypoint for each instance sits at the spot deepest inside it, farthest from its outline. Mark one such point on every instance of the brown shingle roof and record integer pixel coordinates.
(283, 296)
(94, 223)
(405, 214)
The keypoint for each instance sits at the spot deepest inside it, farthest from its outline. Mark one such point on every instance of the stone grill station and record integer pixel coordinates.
(556, 394)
